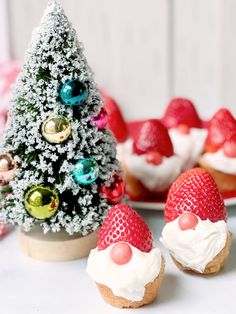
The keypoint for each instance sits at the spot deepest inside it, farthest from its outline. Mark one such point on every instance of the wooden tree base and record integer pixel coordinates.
(59, 246)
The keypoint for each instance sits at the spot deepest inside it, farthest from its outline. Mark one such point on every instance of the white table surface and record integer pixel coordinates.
(28, 286)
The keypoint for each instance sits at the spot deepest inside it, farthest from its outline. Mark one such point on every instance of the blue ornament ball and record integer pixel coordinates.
(85, 171)
(73, 92)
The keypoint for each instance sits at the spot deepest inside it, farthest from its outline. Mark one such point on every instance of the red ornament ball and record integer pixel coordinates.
(115, 192)
(121, 253)
(187, 221)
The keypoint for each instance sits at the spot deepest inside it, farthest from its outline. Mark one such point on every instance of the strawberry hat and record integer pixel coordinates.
(153, 137)
(221, 128)
(124, 224)
(181, 111)
(195, 191)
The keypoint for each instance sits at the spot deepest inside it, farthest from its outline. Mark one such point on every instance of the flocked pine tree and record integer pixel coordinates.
(57, 154)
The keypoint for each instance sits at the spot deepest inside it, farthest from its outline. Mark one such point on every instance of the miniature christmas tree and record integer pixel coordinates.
(57, 154)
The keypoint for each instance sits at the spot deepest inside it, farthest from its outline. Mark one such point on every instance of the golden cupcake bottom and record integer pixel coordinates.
(225, 182)
(216, 264)
(151, 292)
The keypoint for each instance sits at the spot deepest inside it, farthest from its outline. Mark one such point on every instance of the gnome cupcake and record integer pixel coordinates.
(127, 269)
(196, 233)
(186, 131)
(220, 150)
(149, 162)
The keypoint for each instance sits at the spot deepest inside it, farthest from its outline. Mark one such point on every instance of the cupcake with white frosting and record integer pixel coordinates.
(127, 268)
(220, 150)
(196, 233)
(149, 162)
(185, 130)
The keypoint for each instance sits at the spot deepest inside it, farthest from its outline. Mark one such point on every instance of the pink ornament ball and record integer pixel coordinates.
(101, 119)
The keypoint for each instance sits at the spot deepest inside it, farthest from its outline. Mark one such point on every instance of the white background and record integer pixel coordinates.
(146, 51)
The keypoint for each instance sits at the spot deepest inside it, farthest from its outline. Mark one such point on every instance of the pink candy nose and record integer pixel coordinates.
(187, 221)
(121, 253)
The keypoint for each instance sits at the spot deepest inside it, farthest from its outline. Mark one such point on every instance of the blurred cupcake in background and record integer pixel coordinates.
(220, 150)
(186, 131)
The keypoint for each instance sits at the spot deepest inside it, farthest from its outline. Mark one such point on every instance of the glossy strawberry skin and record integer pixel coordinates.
(123, 224)
(116, 122)
(153, 137)
(181, 111)
(195, 191)
(221, 128)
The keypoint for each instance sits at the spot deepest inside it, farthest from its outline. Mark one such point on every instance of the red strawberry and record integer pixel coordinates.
(153, 137)
(221, 128)
(123, 224)
(181, 111)
(195, 191)
(116, 122)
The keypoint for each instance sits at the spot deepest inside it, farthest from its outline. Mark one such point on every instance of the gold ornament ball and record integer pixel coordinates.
(6, 162)
(41, 202)
(56, 129)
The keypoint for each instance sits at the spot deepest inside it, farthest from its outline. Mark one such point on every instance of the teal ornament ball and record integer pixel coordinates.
(85, 171)
(73, 92)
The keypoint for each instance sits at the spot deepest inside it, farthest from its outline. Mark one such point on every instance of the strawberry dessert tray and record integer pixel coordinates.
(155, 152)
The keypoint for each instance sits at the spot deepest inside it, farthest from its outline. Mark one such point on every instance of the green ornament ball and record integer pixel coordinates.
(41, 202)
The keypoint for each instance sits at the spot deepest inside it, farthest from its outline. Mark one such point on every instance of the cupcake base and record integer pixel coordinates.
(225, 182)
(151, 292)
(216, 264)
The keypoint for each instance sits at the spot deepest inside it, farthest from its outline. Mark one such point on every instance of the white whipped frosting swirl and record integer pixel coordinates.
(128, 280)
(188, 146)
(156, 178)
(220, 162)
(195, 248)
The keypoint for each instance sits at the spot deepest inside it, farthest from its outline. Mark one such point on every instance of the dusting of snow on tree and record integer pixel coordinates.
(55, 57)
